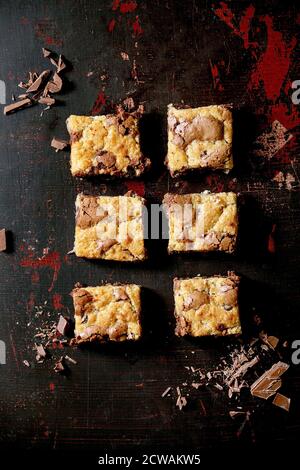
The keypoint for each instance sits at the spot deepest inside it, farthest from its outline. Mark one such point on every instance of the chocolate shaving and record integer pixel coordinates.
(59, 144)
(62, 325)
(3, 244)
(46, 100)
(38, 82)
(282, 401)
(60, 65)
(17, 105)
(60, 367)
(269, 382)
(41, 352)
(46, 52)
(55, 85)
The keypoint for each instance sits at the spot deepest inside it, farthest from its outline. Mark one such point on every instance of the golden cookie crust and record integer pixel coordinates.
(106, 145)
(110, 227)
(202, 221)
(199, 138)
(207, 306)
(107, 313)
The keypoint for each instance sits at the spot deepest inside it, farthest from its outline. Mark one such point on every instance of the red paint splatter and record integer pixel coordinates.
(111, 25)
(127, 7)
(99, 103)
(137, 186)
(56, 302)
(35, 277)
(136, 27)
(216, 77)
(31, 301)
(273, 65)
(52, 260)
(271, 68)
(226, 15)
(281, 112)
(51, 387)
(50, 41)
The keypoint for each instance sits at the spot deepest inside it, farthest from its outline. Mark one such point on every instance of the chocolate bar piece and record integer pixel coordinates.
(106, 145)
(199, 138)
(107, 313)
(202, 222)
(207, 306)
(110, 227)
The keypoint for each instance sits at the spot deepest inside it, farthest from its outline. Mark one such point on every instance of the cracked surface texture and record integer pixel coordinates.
(110, 227)
(207, 306)
(202, 222)
(107, 313)
(199, 138)
(106, 145)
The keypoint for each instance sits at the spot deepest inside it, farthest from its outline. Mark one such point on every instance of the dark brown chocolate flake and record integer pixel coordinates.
(59, 144)
(81, 297)
(17, 105)
(269, 382)
(282, 401)
(3, 244)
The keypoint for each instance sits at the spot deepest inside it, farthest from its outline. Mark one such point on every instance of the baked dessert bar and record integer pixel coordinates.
(107, 313)
(110, 227)
(207, 306)
(202, 222)
(199, 138)
(106, 145)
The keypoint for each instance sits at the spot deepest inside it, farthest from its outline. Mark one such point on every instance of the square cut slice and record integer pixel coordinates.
(199, 138)
(106, 145)
(107, 313)
(110, 227)
(202, 222)
(207, 306)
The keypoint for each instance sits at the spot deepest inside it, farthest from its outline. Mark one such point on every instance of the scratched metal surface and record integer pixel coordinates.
(178, 51)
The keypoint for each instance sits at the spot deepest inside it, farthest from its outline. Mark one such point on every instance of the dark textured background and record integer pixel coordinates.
(192, 51)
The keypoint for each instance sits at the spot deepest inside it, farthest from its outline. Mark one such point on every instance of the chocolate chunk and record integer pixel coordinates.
(62, 325)
(196, 300)
(38, 82)
(59, 144)
(105, 159)
(282, 401)
(89, 213)
(81, 298)
(120, 293)
(269, 382)
(200, 128)
(117, 330)
(75, 136)
(3, 244)
(105, 245)
(17, 105)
